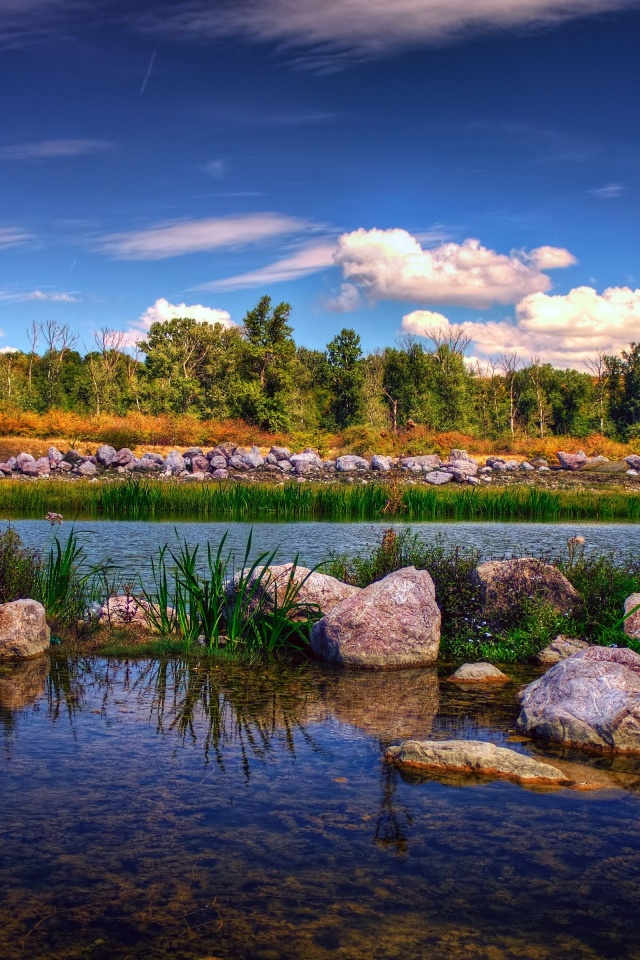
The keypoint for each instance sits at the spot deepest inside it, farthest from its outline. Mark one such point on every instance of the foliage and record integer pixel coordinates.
(19, 568)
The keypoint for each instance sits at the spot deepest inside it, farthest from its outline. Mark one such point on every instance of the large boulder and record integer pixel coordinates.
(632, 623)
(438, 477)
(633, 461)
(123, 458)
(392, 623)
(348, 463)
(43, 466)
(87, 469)
(105, 455)
(175, 463)
(430, 461)
(315, 590)
(504, 582)
(382, 463)
(591, 699)
(54, 455)
(573, 461)
(559, 649)
(23, 630)
(280, 453)
(22, 459)
(478, 673)
(250, 458)
(476, 758)
(306, 462)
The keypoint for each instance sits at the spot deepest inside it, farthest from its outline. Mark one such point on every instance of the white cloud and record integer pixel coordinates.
(392, 265)
(162, 310)
(609, 192)
(335, 31)
(39, 295)
(13, 237)
(346, 301)
(563, 330)
(53, 149)
(8, 349)
(175, 239)
(421, 322)
(306, 261)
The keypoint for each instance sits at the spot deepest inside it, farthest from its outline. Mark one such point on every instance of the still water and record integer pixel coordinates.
(131, 544)
(199, 811)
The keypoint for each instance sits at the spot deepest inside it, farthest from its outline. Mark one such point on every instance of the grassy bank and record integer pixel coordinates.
(148, 499)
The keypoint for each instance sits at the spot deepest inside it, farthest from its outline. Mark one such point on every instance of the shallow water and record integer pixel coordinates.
(131, 544)
(192, 811)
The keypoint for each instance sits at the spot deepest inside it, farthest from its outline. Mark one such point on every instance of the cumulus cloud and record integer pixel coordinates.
(43, 295)
(13, 237)
(163, 310)
(564, 329)
(53, 149)
(392, 265)
(304, 262)
(346, 301)
(329, 33)
(175, 239)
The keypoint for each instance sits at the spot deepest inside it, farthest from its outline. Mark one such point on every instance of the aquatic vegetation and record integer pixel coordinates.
(143, 498)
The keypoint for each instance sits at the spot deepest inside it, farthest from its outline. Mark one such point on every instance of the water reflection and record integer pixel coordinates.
(21, 683)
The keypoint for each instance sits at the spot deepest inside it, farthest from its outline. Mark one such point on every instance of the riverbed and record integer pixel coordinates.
(190, 810)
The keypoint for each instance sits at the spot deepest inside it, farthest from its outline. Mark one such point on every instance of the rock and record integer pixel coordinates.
(505, 582)
(526, 466)
(280, 453)
(193, 452)
(472, 481)
(543, 469)
(54, 455)
(499, 466)
(198, 476)
(512, 465)
(199, 463)
(632, 473)
(252, 459)
(559, 649)
(438, 477)
(632, 623)
(73, 457)
(309, 458)
(22, 459)
(23, 630)
(105, 455)
(348, 463)
(474, 757)
(123, 458)
(539, 462)
(478, 673)
(270, 460)
(634, 461)
(379, 462)
(461, 469)
(43, 466)
(392, 623)
(429, 461)
(64, 467)
(238, 463)
(284, 466)
(123, 609)
(12, 462)
(459, 455)
(5, 468)
(154, 457)
(316, 590)
(591, 699)
(29, 468)
(220, 474)
(87, 469)
(174, 463)
(217, 462)
(484, 470)
(146, 465)
(492, 461)
(573, 461)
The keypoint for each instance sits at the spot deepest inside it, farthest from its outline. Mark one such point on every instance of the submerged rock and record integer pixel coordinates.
(505, 582)
(559, 649)
(591, 699)
(478, 673)
(23, 630)
(475, 757)
(392, 623)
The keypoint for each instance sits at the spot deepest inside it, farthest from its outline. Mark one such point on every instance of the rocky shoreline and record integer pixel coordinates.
(228, 461)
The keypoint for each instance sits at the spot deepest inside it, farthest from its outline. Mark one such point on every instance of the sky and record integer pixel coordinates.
(398, 168)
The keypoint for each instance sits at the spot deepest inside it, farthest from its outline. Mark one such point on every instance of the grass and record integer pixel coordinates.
(145, 499)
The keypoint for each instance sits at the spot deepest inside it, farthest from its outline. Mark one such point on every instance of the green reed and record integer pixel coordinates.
(145, 499)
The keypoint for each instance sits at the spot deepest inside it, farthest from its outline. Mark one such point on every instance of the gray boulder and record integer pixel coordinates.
(315, 591)
(284, 466)
(54, 455)
(252, 458)
(379, 462)
(24, 458)
(430, 461)
(475, 758)
(478, 673)
(217, 462)
(439, 477)
(559, 649)
(5, 469)
(123, 458)
(280, 453)
(105, 455)
(147, 465)
(392, 623)
(29, 468)
(591, 699)
(73, 457)
(174, 463)
(348, 463)
(198, 462)
(505, 582)
(573, 461)
(634, 461)
(238, 463)
(23, 630)
(43, 466)
(221, 473)
(459, 455)
(526, 466)
(632, 623)
(87, 469)
(307, 462)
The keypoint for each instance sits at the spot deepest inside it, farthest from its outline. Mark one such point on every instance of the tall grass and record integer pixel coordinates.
(147, 499)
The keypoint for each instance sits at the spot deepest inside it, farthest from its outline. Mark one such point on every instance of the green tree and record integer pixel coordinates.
(265, 389)
(623, 389)
(346, 377)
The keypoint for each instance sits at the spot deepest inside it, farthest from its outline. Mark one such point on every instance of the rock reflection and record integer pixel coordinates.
(22, 683)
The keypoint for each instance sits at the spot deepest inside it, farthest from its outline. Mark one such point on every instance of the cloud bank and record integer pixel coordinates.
(563, 329)
(175, 239)
(392, 265)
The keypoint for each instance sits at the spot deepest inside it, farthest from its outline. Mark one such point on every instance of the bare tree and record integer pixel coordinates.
(33, 335)
(509, 363)
(534, 370)
(58, 341)
(455, 339)
(597, 368)
(103, 365)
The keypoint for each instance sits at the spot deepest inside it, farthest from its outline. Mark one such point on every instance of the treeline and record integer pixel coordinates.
(257, 374)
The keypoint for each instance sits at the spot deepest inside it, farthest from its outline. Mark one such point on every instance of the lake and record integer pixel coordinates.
(196, 811)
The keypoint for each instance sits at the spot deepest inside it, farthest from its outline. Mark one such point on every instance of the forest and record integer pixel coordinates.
(256, 374)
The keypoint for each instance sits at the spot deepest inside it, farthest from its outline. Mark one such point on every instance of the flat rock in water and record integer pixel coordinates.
(504, 582)
(632, 623)
(23, 630)
(591, 700)
(392, 623)
(478, 673)
(559, 649)
(474, 757)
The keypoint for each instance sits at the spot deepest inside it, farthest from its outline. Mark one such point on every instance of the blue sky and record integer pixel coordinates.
(391, 167)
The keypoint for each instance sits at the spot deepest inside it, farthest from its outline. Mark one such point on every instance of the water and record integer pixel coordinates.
(198, 811)
(131, 544)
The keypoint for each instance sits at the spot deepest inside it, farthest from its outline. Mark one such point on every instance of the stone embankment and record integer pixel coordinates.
(228, 461)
